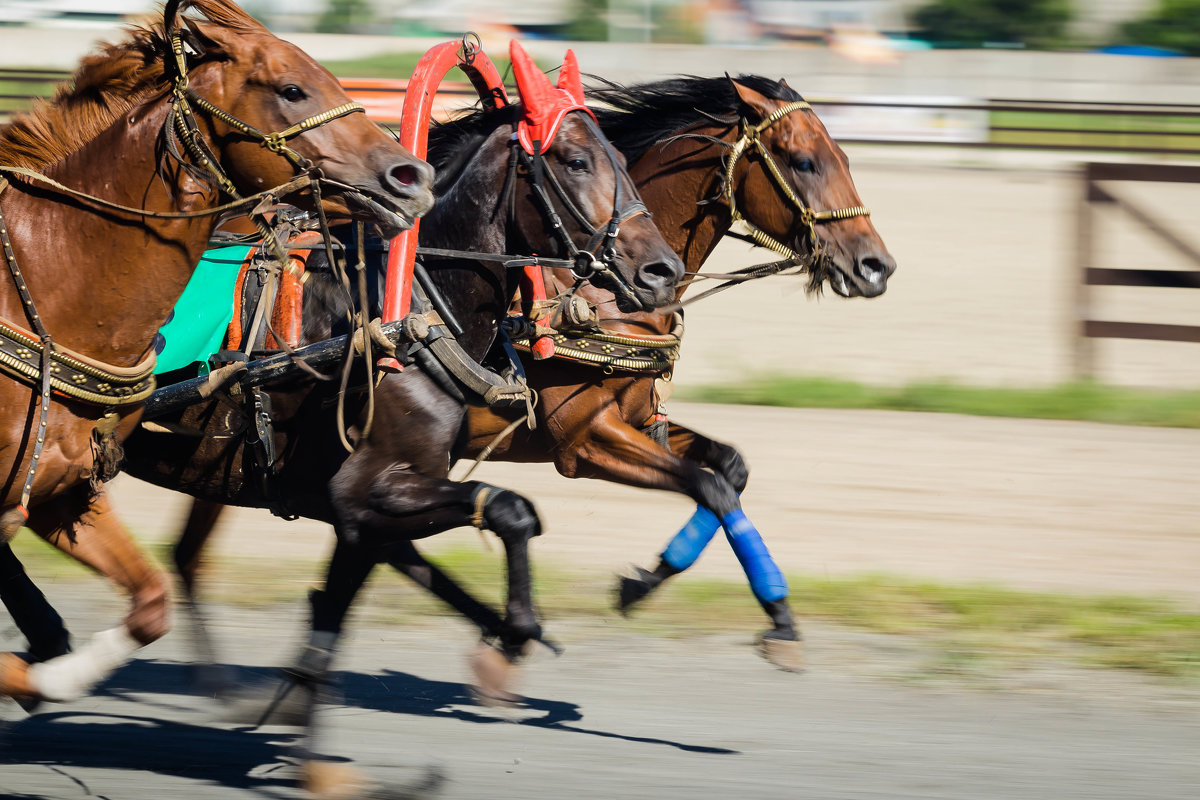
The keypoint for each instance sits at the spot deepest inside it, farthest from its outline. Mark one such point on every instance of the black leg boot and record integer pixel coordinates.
(632, 589)
(782, 645)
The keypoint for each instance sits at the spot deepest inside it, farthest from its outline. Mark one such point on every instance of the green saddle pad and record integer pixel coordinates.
(197, 325)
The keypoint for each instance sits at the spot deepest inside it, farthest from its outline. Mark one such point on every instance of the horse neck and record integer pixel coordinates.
(104, 281)
(673, 179)
(471, 216)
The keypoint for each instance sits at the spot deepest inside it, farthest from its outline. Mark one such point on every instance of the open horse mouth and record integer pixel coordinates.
(385, 213)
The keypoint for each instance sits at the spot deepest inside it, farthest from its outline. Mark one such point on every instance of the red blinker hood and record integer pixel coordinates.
(545, 105)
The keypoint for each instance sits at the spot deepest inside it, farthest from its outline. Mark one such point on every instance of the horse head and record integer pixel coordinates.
(268, 110)
(789, 179)
(578, 177)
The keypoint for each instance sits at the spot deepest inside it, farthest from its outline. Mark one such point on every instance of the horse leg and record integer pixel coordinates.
(614, 450)
(766, 580)
(323, 776)
(427, 575)
(201, 522)
(37, 620)
(99, 540)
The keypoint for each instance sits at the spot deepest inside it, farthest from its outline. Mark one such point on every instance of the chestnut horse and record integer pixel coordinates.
(112, 193)
(593, 417)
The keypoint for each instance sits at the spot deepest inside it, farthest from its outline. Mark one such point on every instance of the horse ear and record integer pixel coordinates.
(757, 102)
(199, 41)
(170, 12)
(568, 77)
(534, 87)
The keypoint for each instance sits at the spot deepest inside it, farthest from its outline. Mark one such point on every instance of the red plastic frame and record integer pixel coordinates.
(414, 134)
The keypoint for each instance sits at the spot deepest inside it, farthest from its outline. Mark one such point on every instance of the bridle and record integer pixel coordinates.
(808, 216)
(598, 258)
(183, 120)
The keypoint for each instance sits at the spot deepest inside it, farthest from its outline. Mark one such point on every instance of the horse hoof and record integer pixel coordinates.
(632, 589)
(14, 679)
(786, 654)
(494, 676)
(285, 702)
(329, 780)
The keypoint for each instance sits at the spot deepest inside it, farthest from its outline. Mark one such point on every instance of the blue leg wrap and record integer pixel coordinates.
(766, 579)
(689, 543)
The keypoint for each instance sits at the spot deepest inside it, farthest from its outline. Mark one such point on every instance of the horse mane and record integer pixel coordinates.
(638, 117)
(106, 85)
(452, 143)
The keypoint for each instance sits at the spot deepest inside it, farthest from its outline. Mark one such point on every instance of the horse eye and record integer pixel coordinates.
(577, 165)
(804, 165)
(292, 93)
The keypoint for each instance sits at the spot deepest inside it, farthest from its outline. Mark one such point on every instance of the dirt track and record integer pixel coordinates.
(1026, 503)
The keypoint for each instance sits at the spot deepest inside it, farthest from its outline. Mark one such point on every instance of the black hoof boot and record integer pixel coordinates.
(632, 589)
(782, 645)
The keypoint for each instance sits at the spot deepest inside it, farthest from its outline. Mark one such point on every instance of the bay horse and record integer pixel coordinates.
(532, 178)
(110, 194)
(595, 411)
(705, 152)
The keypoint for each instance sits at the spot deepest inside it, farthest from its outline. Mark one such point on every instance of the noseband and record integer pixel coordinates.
(808, 216)
(599, 256)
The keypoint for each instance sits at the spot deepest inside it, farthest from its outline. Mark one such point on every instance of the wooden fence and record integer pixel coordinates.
(1094, 195)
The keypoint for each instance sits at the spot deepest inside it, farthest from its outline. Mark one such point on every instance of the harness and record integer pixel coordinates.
(808, 216)
(589, 344)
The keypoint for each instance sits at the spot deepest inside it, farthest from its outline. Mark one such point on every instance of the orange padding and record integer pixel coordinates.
(286, 315)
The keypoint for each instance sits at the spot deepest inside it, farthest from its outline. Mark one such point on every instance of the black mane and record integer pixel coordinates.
(639, 116)
(452, 143)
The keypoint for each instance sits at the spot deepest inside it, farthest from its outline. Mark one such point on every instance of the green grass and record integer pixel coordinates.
(1106, 131)
(959, 628)
(1090, 402)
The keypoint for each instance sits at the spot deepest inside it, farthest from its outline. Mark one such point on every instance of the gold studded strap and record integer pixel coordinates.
(73, 374)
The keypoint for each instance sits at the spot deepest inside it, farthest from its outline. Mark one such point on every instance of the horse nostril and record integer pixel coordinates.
(659, 273)
(873, 270)
(405, 174)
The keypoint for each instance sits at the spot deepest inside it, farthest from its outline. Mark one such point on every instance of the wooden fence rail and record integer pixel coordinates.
(1094, 194)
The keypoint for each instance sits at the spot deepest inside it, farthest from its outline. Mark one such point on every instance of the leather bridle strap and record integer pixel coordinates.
(808, 216)
(185, 123)
(598, 257)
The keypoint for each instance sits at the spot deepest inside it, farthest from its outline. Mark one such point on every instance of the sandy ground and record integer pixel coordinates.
(1028, 503)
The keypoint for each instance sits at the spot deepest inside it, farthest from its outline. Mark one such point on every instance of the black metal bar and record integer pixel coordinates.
(1157, 278)
(1141, 330)
(258, 373)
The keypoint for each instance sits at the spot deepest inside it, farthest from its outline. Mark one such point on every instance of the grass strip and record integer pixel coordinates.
(1091, 402)
(984, 626)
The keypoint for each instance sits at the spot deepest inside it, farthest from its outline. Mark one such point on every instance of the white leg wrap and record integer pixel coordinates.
(72, 676)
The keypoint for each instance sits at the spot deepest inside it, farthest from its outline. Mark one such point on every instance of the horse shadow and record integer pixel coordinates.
(240, 759)
(391, 691)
